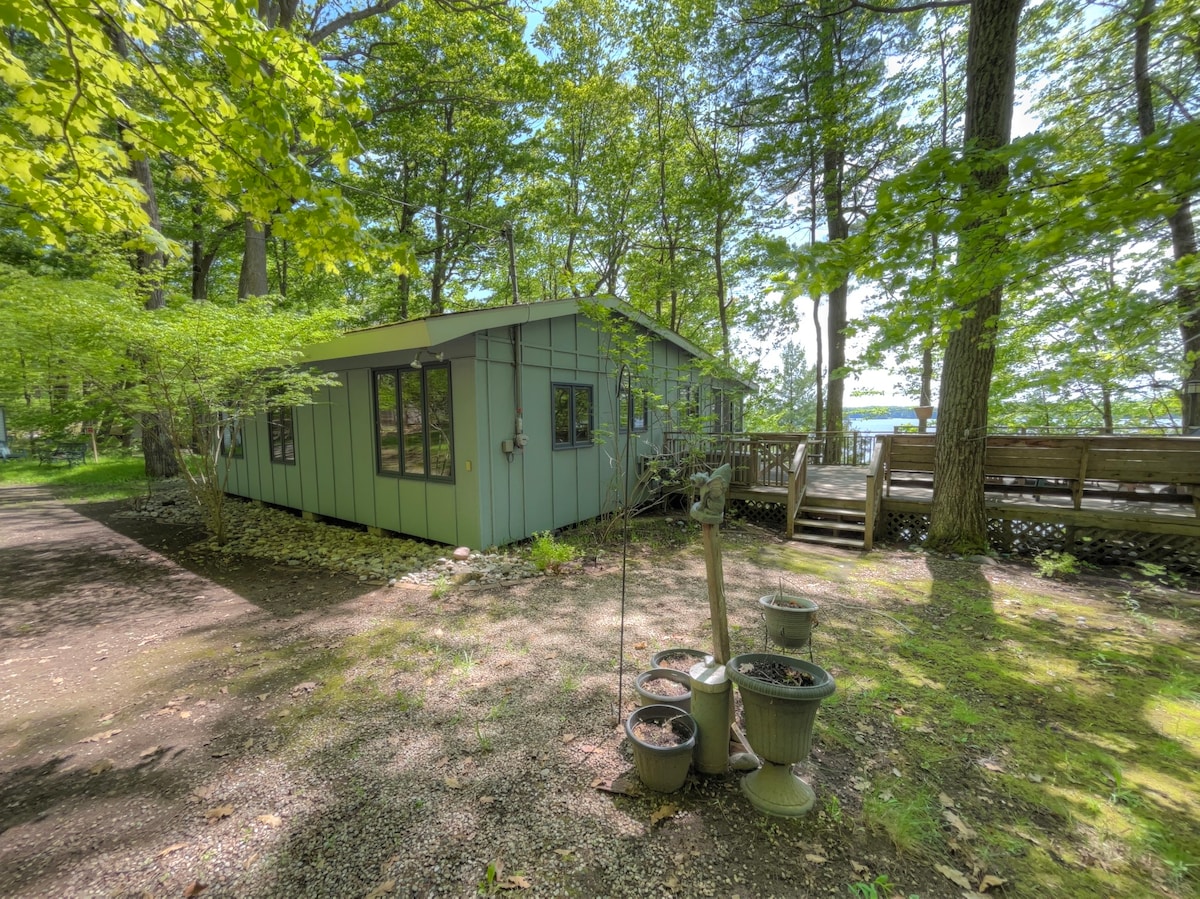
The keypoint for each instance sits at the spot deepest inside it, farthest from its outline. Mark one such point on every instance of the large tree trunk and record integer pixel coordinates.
(156, 442)
(958, 522)
(833, 162)
(252, 282)
(1183, 228)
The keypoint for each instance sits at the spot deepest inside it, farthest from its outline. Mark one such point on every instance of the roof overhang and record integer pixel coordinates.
(429, 332)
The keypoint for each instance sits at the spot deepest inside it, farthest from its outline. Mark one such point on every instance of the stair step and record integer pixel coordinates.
(859, 527)
(831, 510)
(829, 541)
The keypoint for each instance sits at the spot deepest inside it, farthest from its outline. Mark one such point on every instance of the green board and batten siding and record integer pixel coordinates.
(496, 497)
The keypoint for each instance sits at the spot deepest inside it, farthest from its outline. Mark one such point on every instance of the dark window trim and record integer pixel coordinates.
(396, 372)
(282, 442)
(628, 402)
(232, 439)
(572, 424)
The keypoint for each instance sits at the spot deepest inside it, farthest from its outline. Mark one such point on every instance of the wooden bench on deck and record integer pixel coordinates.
(1139, 469)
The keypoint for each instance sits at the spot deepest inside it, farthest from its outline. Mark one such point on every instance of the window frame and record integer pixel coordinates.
(573, 441)
(629, 403)
(399, 373)
(232, 438)
(281, 435)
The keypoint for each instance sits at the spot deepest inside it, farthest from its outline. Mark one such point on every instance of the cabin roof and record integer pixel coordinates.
(422, 333)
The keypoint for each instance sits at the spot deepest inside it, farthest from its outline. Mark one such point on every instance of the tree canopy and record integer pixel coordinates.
(731, 169)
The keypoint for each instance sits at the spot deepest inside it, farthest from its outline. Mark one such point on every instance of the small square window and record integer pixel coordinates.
(572, 404)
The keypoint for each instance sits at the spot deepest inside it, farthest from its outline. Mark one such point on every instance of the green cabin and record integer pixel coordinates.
(480, 428)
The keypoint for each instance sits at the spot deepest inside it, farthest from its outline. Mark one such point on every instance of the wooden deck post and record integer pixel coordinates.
(709, 510)
(711, 535)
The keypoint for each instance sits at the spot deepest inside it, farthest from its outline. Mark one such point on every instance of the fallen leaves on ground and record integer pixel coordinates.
(96, 738)
(965, 832)
(954, 876)
(216, 814)
(174, 847)
(663, 812)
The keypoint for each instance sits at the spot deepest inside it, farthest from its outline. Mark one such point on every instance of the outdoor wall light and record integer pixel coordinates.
(438, 357)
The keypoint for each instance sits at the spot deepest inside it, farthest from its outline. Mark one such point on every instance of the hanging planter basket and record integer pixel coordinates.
(663, 739)
(790, 619)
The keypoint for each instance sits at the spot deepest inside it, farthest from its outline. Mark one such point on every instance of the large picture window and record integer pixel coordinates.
(414, 434)
(282, 435)
(572, 415)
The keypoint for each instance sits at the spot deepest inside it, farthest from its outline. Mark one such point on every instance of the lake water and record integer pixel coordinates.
(879, 425)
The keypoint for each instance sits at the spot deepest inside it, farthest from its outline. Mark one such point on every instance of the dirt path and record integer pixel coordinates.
(106, 709)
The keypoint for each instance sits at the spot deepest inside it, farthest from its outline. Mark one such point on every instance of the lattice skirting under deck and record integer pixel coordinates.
(767, 515)
(1097, 546)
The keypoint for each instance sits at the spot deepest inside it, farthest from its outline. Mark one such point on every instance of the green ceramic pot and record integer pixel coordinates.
(662, 768)
(789, 619)
(647, 696)
(779, 717)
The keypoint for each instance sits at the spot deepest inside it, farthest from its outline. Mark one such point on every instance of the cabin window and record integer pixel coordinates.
(632, 406)
(282, 435)
(688, 408)
(231, 436)
(572, 415)
(727, 412)
(413, 432)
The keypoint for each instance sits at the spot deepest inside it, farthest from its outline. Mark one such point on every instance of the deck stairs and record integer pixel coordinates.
(831, 521)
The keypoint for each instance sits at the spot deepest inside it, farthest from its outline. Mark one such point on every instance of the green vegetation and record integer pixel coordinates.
(548, 554)
(1056, 565)
(113, 477)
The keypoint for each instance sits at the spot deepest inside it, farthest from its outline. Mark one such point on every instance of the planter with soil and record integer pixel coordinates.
(662, 738)
(780, 698)
(790, 619)
(679, 659)
(664, 686)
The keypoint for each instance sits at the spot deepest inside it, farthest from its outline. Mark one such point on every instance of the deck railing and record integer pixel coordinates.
(757, 460)
(797, 485)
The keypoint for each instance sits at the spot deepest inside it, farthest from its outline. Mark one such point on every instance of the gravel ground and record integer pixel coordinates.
(179, 721)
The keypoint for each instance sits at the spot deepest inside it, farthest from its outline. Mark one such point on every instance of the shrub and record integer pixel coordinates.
(1055, 565)
(546, 553)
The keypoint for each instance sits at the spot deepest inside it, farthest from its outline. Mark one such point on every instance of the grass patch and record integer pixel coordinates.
(112, 478)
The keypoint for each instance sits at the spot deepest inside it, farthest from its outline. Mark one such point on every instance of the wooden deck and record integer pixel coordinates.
(1105, 498)
(849, 482)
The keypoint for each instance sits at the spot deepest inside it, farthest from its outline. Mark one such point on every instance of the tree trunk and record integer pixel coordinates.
(253, 279)
(958, 521)
(833, 161)
(819, 418)
(1183, 228)
(156, 443)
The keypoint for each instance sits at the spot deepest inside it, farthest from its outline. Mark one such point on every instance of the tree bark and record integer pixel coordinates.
(1181, 224)
(958, 521)
(156, 442)
(252, 282)
(833, 163)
